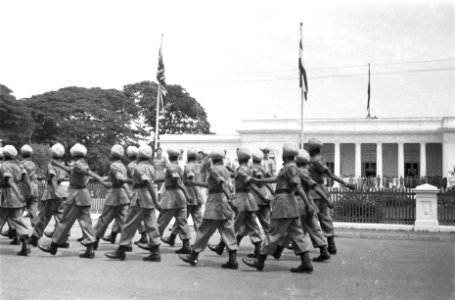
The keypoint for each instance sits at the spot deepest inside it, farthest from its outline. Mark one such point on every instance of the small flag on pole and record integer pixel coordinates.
(160, 71)
(303, 84)
(369, 90)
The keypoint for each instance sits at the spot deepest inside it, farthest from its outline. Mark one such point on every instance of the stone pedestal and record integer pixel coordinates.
(426, 208)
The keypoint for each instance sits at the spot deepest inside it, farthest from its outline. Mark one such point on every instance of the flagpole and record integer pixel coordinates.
(301, 90)
(157, 120)
(369, 93)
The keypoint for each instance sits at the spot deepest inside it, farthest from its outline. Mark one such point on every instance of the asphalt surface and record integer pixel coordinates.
(369, 265)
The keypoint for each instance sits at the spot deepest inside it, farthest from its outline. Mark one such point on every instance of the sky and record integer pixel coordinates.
(239, 58)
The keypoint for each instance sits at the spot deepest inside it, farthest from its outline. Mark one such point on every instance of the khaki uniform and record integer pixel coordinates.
(285, 212)
(142, 208)
(246, 205)
(77, 206)
(173, 202)
(53, 199)
(11, 206)
(263, 213)
(318, 169)
(194, 204)
(160, 164)
(116, 202)
(31, 196)
(217, 215)
(268, 165)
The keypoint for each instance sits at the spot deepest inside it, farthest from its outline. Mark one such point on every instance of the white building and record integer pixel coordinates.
(352, 147)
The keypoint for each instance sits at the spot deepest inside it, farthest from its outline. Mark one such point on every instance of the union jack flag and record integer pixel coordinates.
(160, 71)
(303, 84)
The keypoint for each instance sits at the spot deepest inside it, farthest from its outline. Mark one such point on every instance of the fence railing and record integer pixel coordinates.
(446, 207)
(393, 181)
(369, 205)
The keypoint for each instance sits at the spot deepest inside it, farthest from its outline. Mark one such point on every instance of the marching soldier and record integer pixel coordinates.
(160, 163)
(318, 170)
(191, 175)
(77, 206)
(285, 216)
(54, 196)
(143, 209)
(218, 214)
(30, 190)
(173, 204)
(118, 196)
(12, 201)
(308, 221)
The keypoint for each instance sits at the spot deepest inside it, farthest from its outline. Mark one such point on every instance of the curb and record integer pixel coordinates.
(397, 235)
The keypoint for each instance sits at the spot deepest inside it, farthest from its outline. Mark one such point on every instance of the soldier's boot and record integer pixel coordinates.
(239, 239)
(49, 234)
(117, 254)
(186, 248)
(305, 266)
(190, 258)
(332, 248)
(278, 251)
(145, 246)
(110, 238)
(130, 249)
(10, 233)
(80, 239)
(25, 250)
(154, 255)
(33, 241)
(257, 263)
(96, 243)
(232, 262)
(64, 245)
(89, 251)
(323, 256)
(52, 248)
(15, 240)
(218, 249)
(257, 248)
(143, 239)
(169, 240)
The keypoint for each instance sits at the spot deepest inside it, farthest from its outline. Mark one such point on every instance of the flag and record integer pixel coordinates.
(160, 71)
(368, 103)
(303, 84)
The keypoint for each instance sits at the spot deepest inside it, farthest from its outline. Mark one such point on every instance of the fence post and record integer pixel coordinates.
(426, 208)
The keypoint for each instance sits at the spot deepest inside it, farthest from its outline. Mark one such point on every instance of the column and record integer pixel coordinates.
(337, 162)
(423, 159)
(358, 160)
(400, 160)
(379, 167)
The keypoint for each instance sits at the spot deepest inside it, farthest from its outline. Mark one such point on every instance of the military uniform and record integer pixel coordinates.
(160, 164)
(53, 199)
(117, 199)
(263, 213)
(173, 203)
(218, 214)
(11, 203)
(31, 196)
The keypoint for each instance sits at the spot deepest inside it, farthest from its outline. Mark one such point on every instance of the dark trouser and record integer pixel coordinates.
(309, 225)
(71, 213)
(248, 219)
(281, 227)
(117, 229)
(325, 219)
(14, 215)
(32, 208)
(118, 212)
(52, 207)
(208, 227)
(196, 213)
(136, 214)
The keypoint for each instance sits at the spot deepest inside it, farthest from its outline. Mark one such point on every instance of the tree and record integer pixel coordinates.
(16, 123)
(182, 113)
(95, 117)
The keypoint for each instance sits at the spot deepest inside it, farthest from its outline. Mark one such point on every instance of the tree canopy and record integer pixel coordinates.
(16, 123)
(182, 113)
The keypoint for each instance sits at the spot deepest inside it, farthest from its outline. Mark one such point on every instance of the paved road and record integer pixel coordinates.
(363, 269)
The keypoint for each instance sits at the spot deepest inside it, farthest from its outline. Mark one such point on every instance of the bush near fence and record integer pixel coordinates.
(364, 205)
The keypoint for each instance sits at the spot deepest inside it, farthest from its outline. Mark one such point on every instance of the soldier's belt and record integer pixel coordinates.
(243, 190)
(216, 191)
(282, 191)
(139, 186)
(117, 186)
(78, 187)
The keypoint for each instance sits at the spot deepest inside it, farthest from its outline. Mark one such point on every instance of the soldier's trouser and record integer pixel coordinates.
(281, 227)
(136, 214)
(32, 208)
(309, 225)
(117, 229)
(52, 207)
(208, 227)
(325, 219)
(196, 213)
(14, 215)
(71, 213)
(118, 212)
(248, 219)
(181, 220)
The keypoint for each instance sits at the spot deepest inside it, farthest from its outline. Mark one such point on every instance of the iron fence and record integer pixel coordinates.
(446, 207)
